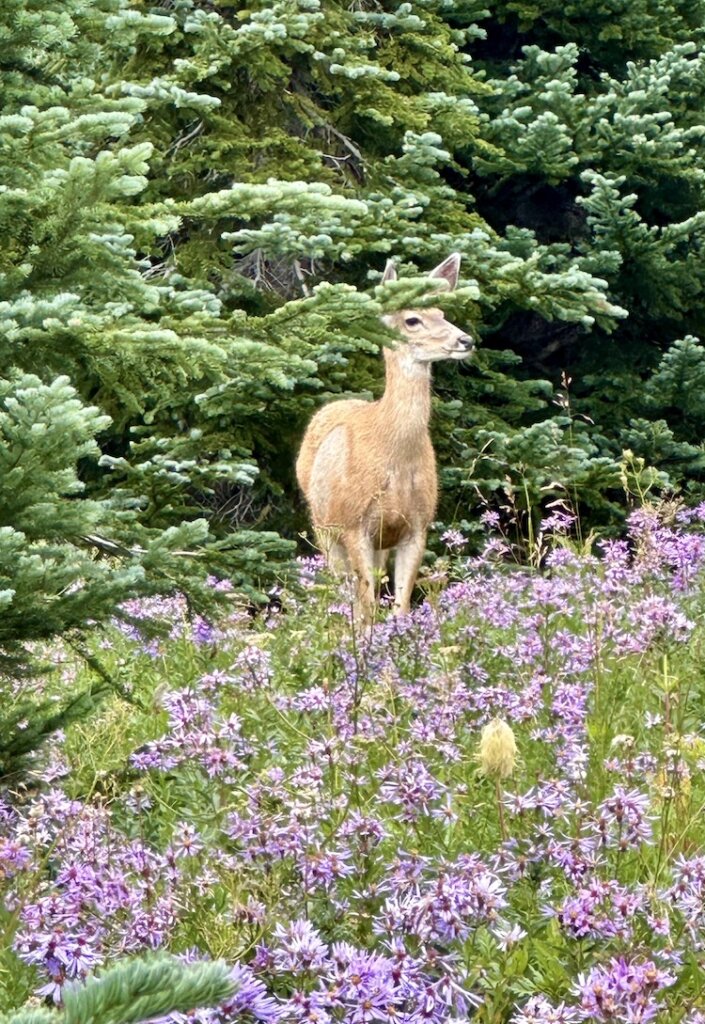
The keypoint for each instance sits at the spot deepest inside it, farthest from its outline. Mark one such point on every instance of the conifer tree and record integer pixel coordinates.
(86, 354)
(596, 119)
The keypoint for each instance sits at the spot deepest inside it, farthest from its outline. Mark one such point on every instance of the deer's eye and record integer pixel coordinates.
(412, 321)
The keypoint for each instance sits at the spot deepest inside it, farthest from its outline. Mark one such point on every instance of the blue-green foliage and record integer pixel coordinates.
(135, 990)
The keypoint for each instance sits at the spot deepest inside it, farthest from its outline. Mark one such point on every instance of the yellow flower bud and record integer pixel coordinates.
(498, 749)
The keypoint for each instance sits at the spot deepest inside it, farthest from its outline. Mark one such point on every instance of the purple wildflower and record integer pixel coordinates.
(454, 540)
(622, 991)
(299, 948)
(538, 1010)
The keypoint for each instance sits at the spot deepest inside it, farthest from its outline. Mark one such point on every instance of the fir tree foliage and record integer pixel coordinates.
(610, 32)
(597, 132)
(51, 581)
(67, 560)
(134, 991)
(678, 386)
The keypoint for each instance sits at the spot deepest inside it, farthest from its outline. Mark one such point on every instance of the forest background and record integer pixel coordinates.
(197, 202)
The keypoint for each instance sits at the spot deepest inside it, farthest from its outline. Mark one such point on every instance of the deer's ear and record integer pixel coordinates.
(390, 273)
(448, 270)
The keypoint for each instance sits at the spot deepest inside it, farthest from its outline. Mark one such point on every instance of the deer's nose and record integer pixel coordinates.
(466, 341)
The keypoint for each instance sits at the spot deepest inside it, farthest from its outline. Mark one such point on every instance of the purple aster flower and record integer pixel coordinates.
(446, 908)
(558, 522)
(253, 667)
(622, 991)
(538, 1010)
(490, 518)
(299, 948)
(308, 1008)
(14, 857)
(186, 842)
(220, 585)
(622, 820)
(454, 540)
(251, 998)
(322, 868)
(310, 570)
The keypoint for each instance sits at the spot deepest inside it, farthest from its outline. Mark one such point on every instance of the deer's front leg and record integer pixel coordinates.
(360, 555)
(330, 543)
(407, 559)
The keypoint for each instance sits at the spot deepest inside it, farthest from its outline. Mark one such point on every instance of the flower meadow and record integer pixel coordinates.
(491, 809)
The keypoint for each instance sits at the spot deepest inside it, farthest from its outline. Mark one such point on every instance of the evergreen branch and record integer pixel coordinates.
(24, 742)
(31, 1015)
(116, 549)
(141, 989)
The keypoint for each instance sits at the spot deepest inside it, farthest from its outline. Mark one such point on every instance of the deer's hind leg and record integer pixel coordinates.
(407, 559)
(361, 559)
(380, 557)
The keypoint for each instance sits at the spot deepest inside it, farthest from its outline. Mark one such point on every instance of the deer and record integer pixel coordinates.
(368, 469)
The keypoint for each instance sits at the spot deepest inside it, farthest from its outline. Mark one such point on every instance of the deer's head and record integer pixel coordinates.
(429, 336)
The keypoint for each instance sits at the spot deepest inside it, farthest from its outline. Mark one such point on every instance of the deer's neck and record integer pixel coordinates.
(405, 406)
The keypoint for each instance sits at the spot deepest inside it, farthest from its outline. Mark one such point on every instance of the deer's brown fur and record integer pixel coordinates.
(368, 469)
